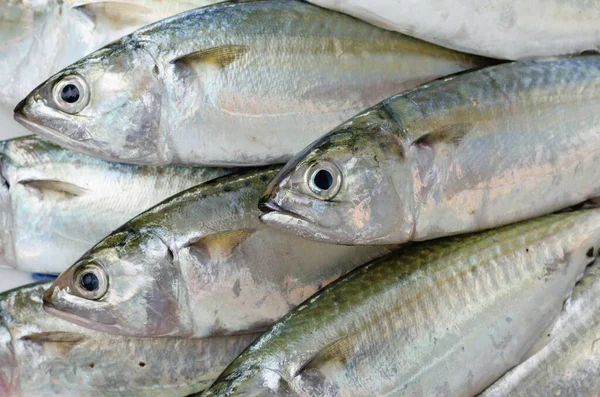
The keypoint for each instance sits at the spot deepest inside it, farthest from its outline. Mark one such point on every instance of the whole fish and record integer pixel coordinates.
(465, 153)
(508, 29)
(55, 204)
(237, 83)
(445, 317)
(41, 356)
(40, 37)
(199, 264)
(570, 364)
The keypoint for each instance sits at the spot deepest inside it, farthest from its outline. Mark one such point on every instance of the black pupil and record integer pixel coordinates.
(70, 93)
(323, 179)
(90, 282)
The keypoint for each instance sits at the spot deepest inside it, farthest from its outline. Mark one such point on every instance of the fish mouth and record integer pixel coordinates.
(54, 136)
(270, 208)
(294, 223)
(54, 309)
(37, 128)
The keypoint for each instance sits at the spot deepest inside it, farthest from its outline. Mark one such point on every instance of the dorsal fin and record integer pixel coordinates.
(220, 57)
(50, 186)
(450, 134)
(217, 244)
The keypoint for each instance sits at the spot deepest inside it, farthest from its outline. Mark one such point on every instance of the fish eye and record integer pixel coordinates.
(324, 179)
(71, 94)
(91, 281)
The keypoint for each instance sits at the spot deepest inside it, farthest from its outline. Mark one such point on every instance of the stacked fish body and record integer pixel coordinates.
(449, 315)
(163, 303)
(508, 29)
(241, 83)
(41, 355)
(461, 154)
(55, 204)
(197, 258)
(570, 364)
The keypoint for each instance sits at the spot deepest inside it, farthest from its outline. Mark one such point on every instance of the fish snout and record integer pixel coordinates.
(19, 109)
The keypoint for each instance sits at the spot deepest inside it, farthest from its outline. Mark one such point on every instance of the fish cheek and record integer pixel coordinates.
(166, 311)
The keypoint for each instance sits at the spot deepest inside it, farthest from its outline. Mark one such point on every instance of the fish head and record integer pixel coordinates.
(340, 189)
(106, 105)
(7, 254)
(128, 284)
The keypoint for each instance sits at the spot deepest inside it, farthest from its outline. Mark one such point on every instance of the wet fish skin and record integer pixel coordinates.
(41, 355)
(201, 264)
(505, 29)
(55, 203)
(232, 84)
(61, 32)
(569, 365)
(461, 154)
(448, 316)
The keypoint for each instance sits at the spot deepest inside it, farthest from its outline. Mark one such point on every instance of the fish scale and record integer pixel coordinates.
(568, 364)
(427, 314)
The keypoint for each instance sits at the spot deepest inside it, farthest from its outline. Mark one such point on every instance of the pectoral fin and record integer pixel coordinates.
(71, 338)
(217, 244)
(220, 57)
(336, 352)
(54, 187)
(57, 342)
(451, 134)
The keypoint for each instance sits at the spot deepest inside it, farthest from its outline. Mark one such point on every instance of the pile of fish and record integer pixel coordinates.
(279, 198)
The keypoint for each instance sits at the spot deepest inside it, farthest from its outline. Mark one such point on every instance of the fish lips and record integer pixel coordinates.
(276, 216)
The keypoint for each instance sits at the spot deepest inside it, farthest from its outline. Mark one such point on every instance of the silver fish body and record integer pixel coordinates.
(465, 153)
(569, 365)
(231, 84)
(507, 29)
(43, 356)
(55, 204)
(59, 32)
(199, 264)
(442, 317)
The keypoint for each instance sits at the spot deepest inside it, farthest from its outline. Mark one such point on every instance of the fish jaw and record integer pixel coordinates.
(296, 224)
(26, 117)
